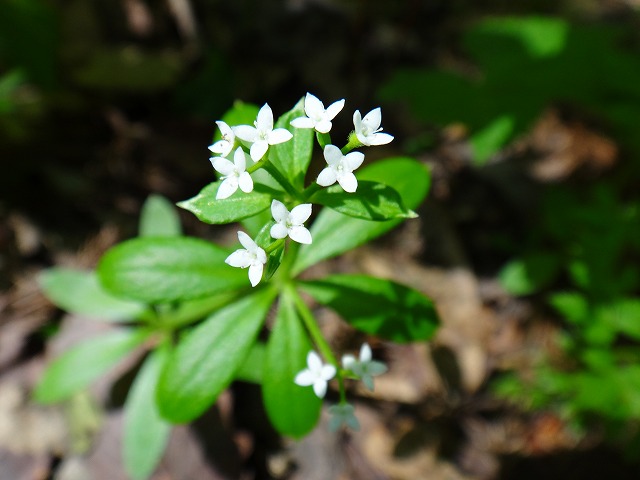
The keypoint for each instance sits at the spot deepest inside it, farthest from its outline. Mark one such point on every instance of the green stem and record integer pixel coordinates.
(310, 190)
(324, 139)
(351, 144)
(274, 245)
(275, 173)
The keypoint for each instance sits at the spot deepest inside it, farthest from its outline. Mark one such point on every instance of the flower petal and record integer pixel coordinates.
(320, 388)
(314, 362)
(247, 242)
(353, 160)
(348, 361)
(279, 231)
(258, 150)
(300, 234)
(380, 139)
(305, 378)
(279, 135)
(222, 165)
(376, 368)
(279, 211)
(332, 154)
(221, 147)
(348, 181)
(313, 107)
(245, 182)
(302, 122)
(365, 353)
(246, 133)
(240, 259)
(323, 126)
(373, 119)
(368, 381)
(227, 188)
(327, 177)
(265, 118)
(255, 273)
(357, 122)
(334, 109)
(239, 160)
(328, 372)
(225, 130)
(300, 213)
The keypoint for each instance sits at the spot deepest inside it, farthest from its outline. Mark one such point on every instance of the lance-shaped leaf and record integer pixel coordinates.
(238, 206)
(79, 291)
(292, 158)
(376, 306)
(207, 358)
(145, 431)
(334, 233)
(372, 201)
(166, 269)
(293, 410)
(78, 367)
(159, 218)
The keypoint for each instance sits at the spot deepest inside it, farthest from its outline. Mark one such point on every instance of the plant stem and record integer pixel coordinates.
(275, 173)
(351, 144)
(324, 139)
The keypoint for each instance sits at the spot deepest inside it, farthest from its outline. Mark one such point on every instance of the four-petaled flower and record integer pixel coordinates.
(262, 134)
(364, 367)
(251, 256)
(342, 414)
(367, 129)
(340, 168)
(317, 117)
(224, 146)
(316, 374)
(234, 174)
(291, 223)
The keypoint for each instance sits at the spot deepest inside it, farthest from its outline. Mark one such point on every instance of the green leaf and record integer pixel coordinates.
(377, 306)
(373, 201)
(529, 274)
(145, 432)
(165, 269)
(623, 315)
(79, 291)
(492, 138)
(292, 158)
(207, 358)
(238, 206)
(159, 218)
(573, 306)
(79, 366)
(252, 368)
(334, 233)
(293, 410)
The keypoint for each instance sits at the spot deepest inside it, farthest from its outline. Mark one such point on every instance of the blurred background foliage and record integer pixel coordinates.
(527, 111)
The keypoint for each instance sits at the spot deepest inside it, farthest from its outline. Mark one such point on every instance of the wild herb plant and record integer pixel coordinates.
(189, 303)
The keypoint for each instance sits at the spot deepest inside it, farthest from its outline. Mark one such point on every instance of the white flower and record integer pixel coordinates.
(364, 367)
(262, 134)
(223, 147)
(316, 374)
(291, 223)
(317, 117)
(251, 256)
(340, 168)
(233, 174)
(367, 128)
(342, 414)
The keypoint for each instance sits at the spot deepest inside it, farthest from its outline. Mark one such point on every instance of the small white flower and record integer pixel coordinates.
(262, 134)
(340, 168)
(291, 223)
(367, 129)
(251, 256)
(364, 367)
(224, 146)
(317, 117)
(342, 414)
(316, 374)
(234, 174)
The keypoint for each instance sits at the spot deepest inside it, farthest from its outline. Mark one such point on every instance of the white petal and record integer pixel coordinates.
(364, 139)
(335, 422)
(365, 353)
(313, 107)
(373, 119)
(348, 361)
(376, 368)
(300, 214)
(246, 133)
(261, 255)
(225, 129)
(314, 362)
(302, 122)
(279, 135)
(332, 154)
(258, 150)
(279, 231)
(352, 422)
(222, 165)
(327, 177)
(221, 147)
(255, 273)
(247, 242)
(348, 181)
(320, 388)
(357, 121)
(305, 378)
(239, 160)
(265, 118)
(245, 182)
(239, 259)
(353, 160)
(323, 126)
(227, 188)
(279, 211)
(368, 381)
(328, 372)
(300, 234)
(380, 139)
(334, 109)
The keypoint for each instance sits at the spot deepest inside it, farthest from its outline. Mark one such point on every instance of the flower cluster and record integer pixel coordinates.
(250, 146)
